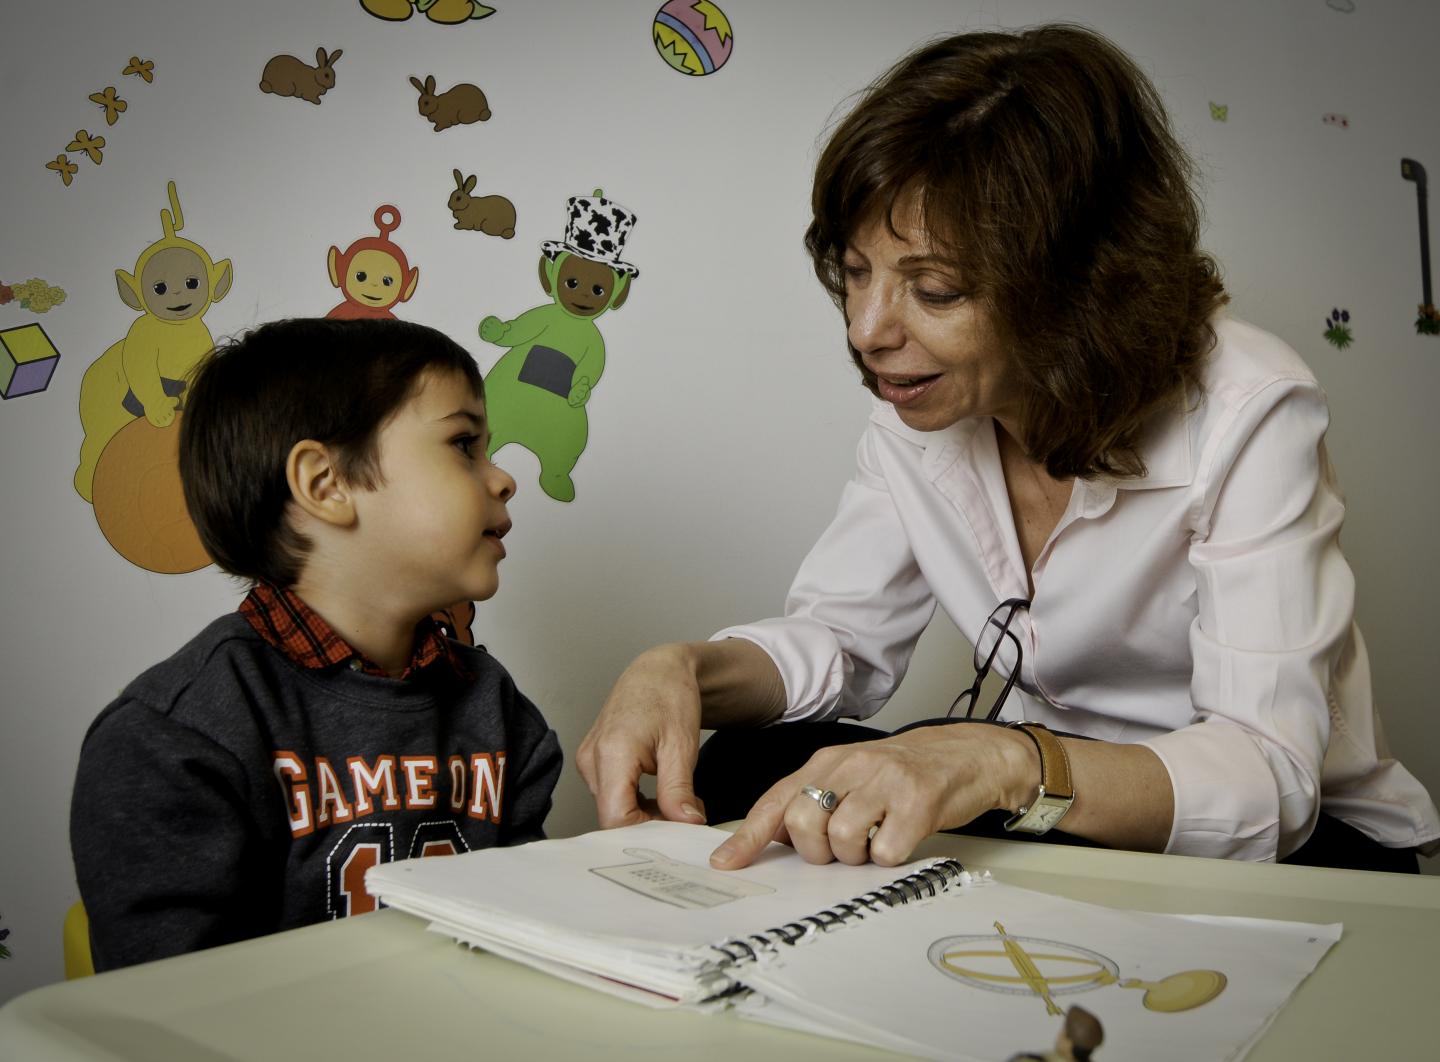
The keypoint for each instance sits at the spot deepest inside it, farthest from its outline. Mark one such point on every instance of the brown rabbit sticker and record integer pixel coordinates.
(463, 104)
(494, 215)
(287, 76)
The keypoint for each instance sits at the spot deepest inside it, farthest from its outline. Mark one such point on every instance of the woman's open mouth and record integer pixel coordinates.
(905, 390)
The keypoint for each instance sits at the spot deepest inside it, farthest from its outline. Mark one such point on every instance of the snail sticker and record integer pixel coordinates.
(461, 104)
(1030, 966)
(537, 393)
(494, 215)
(445, 12)
(285, 75)
(372, 274)
(131, 399)
(693, 36)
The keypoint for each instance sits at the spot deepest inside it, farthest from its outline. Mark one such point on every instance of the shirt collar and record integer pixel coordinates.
(1165, 447)
(283, 619)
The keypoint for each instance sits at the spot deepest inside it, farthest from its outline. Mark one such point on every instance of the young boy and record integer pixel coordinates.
(245, 785)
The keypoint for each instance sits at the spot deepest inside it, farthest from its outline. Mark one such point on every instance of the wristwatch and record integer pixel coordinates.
(1056, 791)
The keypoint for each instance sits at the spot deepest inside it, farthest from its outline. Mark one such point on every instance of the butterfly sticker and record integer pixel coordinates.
(1219, 111)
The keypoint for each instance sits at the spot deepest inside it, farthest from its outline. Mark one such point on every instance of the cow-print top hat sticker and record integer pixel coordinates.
(596, 228)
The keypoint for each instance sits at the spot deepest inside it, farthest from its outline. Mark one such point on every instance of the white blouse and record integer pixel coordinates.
(1204, 610)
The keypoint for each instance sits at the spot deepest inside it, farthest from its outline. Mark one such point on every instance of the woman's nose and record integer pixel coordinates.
(874, 324)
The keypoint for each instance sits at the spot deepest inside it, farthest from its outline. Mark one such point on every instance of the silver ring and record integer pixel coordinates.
(826, 798)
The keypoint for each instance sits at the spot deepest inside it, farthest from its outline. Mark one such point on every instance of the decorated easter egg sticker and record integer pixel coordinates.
(693, 36)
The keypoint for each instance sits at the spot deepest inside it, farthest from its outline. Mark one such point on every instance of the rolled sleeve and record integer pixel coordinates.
(855, 611)
(1275, 603)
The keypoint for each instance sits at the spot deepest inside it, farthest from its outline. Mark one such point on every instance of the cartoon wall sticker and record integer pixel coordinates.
(537, 392)
(35, 295)
(284, 75)
(144, 68)
(1428, 321)
(111, 104)
(4, 936)
(131, 397)
(64, 167)
(27, 361)
(493, 215)
(461, 104)
(1340, 121)
(693, 36)
(445, 12)
(1337, 329)
(373, 273)
(1219, 112)
(91, 146)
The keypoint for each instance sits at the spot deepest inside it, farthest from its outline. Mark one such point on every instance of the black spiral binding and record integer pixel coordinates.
(926, 882)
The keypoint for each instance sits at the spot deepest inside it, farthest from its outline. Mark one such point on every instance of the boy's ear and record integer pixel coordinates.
(316, 485)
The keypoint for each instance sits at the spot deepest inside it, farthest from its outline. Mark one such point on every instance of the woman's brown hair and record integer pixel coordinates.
(1043, 165)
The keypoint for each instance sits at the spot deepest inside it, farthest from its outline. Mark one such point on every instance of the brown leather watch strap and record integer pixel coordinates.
(1054, 763)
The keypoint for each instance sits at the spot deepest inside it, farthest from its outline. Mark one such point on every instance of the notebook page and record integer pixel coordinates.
(648, 888)
(988, 971)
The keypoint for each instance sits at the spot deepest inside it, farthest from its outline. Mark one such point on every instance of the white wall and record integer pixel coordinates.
(726, 421)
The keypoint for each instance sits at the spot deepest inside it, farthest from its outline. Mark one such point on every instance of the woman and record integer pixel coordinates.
(1121, 498)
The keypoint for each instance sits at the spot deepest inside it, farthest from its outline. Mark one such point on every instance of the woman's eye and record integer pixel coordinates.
(937, 297)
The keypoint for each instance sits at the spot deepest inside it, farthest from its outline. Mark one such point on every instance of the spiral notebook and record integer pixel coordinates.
(898, 957)
(638, 911)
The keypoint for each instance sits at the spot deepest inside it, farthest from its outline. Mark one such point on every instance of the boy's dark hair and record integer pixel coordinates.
(1045, 168)
(251, 400)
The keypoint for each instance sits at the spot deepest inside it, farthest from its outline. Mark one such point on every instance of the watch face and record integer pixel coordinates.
(1046, 816)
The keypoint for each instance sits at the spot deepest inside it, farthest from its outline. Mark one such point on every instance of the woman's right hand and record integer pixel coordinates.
(650, 724)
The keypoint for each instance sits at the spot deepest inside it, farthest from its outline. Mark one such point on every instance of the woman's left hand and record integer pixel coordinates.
(905, 787)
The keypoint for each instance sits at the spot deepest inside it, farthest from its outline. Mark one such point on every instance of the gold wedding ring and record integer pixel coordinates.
(826, 798)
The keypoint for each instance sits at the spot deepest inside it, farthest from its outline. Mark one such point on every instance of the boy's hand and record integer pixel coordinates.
(650, 724)
(492, 329)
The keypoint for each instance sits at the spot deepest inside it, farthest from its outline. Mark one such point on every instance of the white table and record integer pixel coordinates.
(381, 987)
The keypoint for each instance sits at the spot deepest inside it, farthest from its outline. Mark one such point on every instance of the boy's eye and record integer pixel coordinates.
(466, 444)
(160, 287)
(360, 276)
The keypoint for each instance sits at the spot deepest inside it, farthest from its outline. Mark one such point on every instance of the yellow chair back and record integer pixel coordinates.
(76, 940)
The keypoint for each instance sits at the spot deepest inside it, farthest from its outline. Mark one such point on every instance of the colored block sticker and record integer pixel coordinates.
(27, 361)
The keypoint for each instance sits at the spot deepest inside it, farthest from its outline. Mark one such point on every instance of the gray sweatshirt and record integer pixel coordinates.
(228, 792)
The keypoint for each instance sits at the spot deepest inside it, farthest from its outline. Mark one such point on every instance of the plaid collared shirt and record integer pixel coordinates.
(284, 620)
